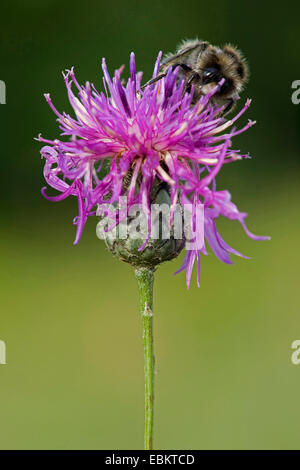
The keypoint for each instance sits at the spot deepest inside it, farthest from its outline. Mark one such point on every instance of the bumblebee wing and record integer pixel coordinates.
(188, 53)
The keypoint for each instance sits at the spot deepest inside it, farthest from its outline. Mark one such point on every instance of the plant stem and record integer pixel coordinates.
(145, 278)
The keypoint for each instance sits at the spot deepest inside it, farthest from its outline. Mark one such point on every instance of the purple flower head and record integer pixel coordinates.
(156, 135)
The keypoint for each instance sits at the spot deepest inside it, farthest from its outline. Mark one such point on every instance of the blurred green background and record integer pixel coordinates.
(69, 315)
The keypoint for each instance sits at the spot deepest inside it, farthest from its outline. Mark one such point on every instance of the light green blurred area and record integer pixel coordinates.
(74, 373)
(70, 316)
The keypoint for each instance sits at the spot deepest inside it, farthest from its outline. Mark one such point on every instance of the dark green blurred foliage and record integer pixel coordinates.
(73, 377)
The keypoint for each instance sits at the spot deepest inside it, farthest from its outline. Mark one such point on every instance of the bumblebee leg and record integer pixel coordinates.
(185, 67)
(154, 80)
(193, 76)
(229, 106)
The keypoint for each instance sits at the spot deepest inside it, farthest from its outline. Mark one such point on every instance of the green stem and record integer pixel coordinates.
(145, 278)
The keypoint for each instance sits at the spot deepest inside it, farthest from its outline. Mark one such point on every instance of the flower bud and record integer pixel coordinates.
(140, 250)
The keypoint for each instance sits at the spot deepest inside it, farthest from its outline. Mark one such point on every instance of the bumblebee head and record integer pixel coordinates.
(210, 75)
(228, 63)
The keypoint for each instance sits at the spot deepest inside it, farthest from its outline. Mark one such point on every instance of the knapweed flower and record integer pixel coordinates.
(144, 137)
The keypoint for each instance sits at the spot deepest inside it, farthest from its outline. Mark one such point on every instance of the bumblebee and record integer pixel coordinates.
(204, 66)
